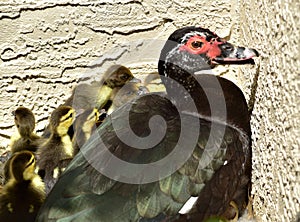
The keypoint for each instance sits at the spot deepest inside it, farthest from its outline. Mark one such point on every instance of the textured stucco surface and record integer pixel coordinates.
(45, 46)
(274, 27)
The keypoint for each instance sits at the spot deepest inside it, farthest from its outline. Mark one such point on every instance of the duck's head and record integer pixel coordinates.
(85, 124)
(24, 120)
(194, 49)
(87, 120)
(22, 166)
(118, 76)
(61, 119)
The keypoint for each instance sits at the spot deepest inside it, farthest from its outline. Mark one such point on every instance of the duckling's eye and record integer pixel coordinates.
(197, 44)
(124, 77)
(68, 117)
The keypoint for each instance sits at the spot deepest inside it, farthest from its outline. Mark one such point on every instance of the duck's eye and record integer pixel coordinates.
(218, 39)
(68, 117)
(228, 47)
(196, 44)
(124, 77)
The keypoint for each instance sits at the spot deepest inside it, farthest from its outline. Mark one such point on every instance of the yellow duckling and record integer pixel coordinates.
(25, 139)
(24, 193)
(99, 93)
(84, 125)
(57, 151)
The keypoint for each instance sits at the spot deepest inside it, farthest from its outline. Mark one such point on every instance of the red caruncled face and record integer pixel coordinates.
(199, 45)
(218, 50)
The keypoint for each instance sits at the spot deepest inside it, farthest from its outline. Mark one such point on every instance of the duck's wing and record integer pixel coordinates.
(99, 187)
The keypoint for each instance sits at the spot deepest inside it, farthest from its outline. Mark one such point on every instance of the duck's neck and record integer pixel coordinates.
(65, 141)
(215, 98)
(25, 131)
(186, 61)
(182, 86)
(181, 67)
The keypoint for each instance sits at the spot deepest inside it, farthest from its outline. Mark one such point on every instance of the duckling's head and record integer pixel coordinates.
(88, 119)
(24, 120)
(118, 76)
(22, 166)
(61, 119)
(85, 124)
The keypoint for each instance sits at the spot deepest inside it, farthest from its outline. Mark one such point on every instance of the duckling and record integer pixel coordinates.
(126, 94)
(4, 169)
(57, 151)
(98, 94)
(25, 139)
(22, 196)
(84, 125)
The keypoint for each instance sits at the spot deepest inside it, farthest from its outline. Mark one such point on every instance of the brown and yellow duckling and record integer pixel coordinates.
(57, 151)
(100, 93)
(24, 193)
(116, 77)
(25, 139)
(84, 125)
(126, 94)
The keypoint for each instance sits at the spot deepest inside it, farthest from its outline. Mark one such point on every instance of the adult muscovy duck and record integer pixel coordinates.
(151, 155)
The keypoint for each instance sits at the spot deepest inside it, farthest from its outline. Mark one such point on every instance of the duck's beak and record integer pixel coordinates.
(135, 80)
(79, 112)
(234, 55)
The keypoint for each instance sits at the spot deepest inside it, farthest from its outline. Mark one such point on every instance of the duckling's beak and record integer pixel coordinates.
(135, 80)
(142, 90)
(101, 117)
(231, 54)
(79, 112)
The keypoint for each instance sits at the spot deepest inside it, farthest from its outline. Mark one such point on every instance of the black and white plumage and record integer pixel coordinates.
(219, 142)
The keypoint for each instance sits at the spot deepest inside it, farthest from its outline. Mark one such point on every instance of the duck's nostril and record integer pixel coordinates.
(227, 47)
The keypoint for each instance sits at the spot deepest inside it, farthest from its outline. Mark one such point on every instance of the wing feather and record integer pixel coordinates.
(82, 188)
